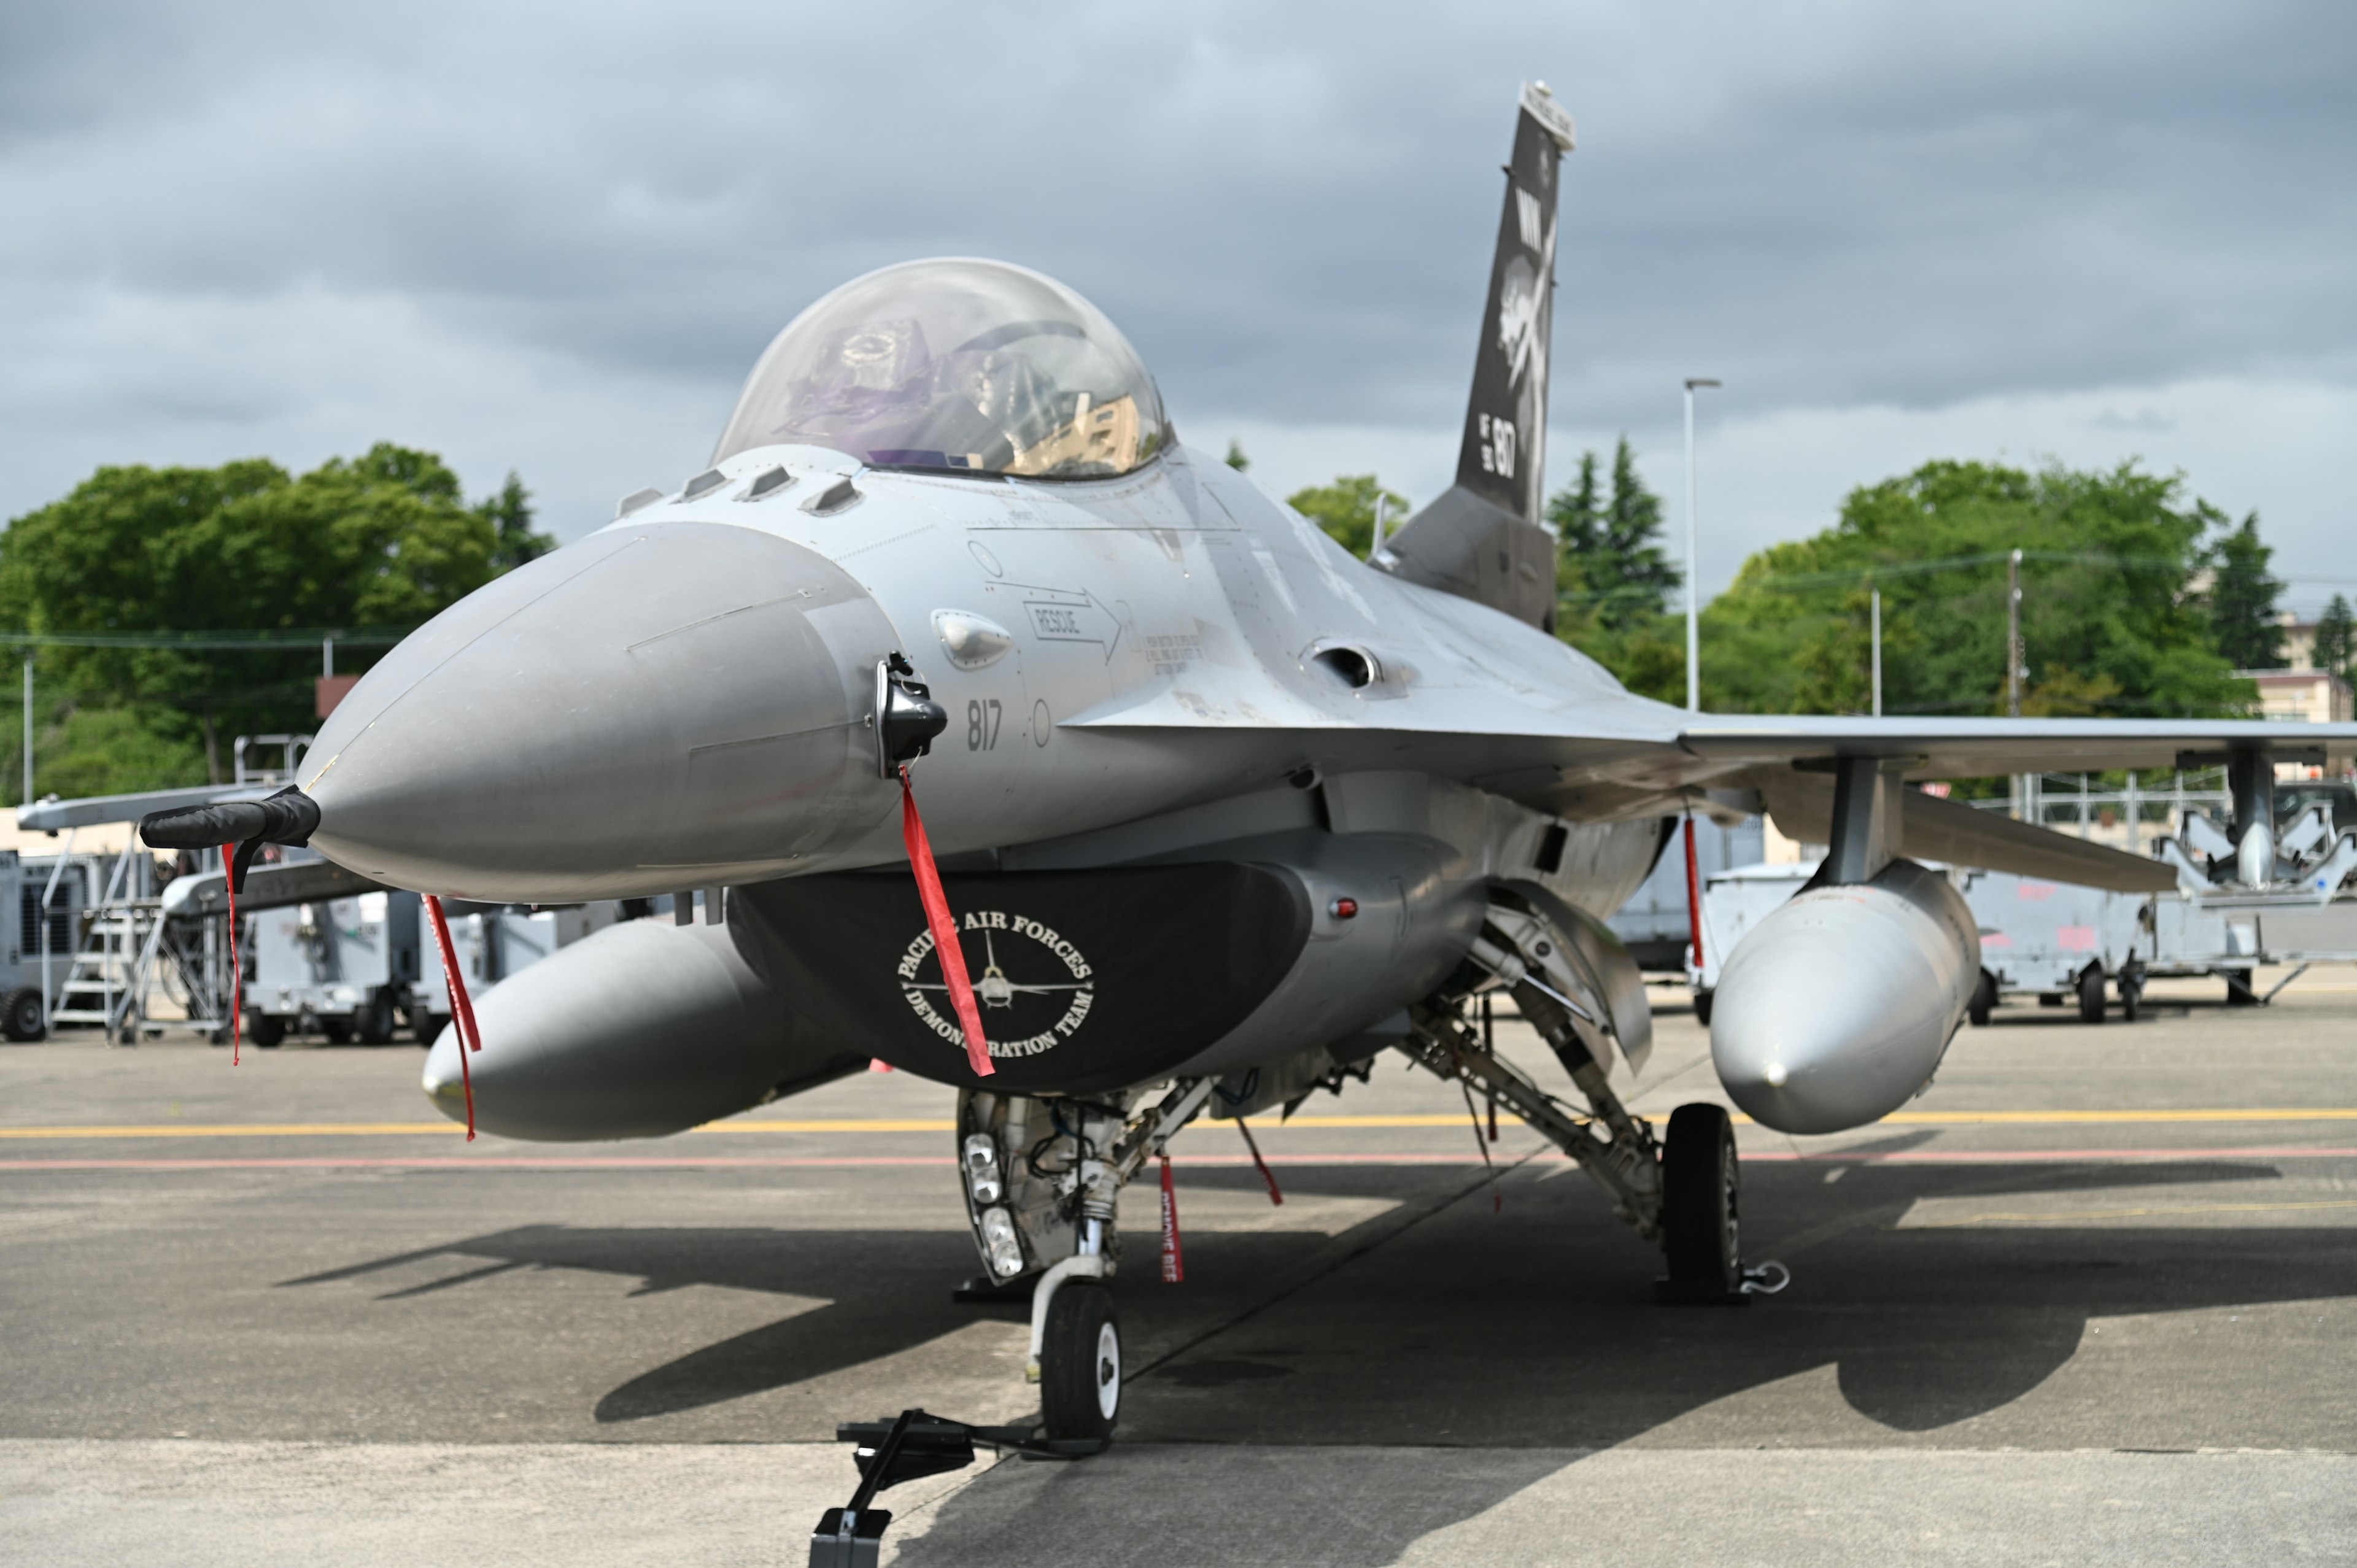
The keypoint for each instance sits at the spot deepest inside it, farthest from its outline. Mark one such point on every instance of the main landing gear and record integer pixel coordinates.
(1683, 1190)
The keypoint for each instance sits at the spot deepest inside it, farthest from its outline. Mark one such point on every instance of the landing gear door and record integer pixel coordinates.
(1589, 950)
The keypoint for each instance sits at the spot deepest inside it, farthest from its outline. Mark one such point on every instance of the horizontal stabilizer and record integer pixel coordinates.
(1950, 832)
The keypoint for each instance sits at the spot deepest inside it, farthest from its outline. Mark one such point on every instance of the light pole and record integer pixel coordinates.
(1878, 652)
(1693, 621)
(2015, 666)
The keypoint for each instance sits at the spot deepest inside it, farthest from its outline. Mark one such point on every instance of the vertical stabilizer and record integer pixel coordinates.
(1483, 537)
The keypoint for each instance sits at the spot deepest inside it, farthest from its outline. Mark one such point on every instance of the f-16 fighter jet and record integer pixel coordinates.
(1221, 813)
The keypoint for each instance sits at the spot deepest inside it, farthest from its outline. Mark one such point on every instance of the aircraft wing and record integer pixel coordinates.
(1606, 760)
(1984, 747)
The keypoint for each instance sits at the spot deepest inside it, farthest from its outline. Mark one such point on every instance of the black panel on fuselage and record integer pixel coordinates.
(1087, 981)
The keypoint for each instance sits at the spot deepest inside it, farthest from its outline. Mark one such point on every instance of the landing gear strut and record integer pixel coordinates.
(1043, 1180)
(1683, 1190)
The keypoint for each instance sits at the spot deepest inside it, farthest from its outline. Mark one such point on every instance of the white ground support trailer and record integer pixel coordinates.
(357, 968)
(349, 966)
(2231, 937)
(2057, 941)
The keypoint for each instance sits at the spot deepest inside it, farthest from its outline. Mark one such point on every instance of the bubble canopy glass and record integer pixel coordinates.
(956, 364)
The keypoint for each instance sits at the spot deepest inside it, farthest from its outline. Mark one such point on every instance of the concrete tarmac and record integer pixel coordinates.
(2088, 1300)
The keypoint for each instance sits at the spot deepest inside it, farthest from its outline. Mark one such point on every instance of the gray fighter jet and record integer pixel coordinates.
(1221, 812)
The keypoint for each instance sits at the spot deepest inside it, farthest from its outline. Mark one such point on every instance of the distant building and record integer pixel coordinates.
(2302, 697)
(2298, 643)
(2305, 696)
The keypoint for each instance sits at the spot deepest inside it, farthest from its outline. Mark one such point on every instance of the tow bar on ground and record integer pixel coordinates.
(908, 1448)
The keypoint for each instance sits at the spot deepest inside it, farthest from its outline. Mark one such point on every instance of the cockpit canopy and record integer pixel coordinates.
(958, 364)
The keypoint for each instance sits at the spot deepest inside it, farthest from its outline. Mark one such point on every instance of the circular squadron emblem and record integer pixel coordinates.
(1034, 986)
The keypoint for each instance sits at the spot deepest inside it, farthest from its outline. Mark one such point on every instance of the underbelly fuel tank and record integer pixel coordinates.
(639, 1030)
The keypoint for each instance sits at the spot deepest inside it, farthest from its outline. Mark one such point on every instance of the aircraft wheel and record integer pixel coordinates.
(376, 1020)
(336, 1031)
(425, 1026)
(2238, 988)
(1079, 1364)
(2091, 995)
(2131, 996)
(1702, 1008)
(1699, 1177)
(20, 1014)
(1983, 1002)
(265, 1029)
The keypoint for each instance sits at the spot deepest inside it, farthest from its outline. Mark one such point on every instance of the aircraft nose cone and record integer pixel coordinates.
(653, 708)
(1837, 1008)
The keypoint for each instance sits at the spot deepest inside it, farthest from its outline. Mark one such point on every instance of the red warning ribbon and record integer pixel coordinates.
(236, 960)
(462, 1009)
(939, 921)
(1174, 1267)
(1693, 892)
(1261, 1165)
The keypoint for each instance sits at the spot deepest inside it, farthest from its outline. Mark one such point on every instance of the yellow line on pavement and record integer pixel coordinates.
(2077, 1215)
(944, 1125)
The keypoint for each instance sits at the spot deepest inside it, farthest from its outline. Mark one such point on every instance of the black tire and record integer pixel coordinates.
(1079, 1364)
(1702, 1008)
(1699, 1182)
(426, 1027)
(375, 1022)
(1983, 1002)
(2131, 998)
(265, 1029)
(336, 1031)
(20, 1014)
(2238, 988)
(2091, 995)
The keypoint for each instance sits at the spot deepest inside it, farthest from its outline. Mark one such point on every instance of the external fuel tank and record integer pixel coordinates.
(1838, 1007)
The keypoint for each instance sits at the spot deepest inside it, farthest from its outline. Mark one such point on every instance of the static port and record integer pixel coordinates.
(1343, 909)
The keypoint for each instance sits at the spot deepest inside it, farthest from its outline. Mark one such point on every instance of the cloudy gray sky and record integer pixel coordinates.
(554, 237)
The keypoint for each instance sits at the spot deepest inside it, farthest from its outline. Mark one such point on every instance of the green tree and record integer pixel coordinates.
(1612, 569)
(2336, 640)
(1611, 574)
(2243, 595)
(2113, 621)
(382, 541)
(1235, 459)
(1575, 512)
(509, 515)
(1346, 511)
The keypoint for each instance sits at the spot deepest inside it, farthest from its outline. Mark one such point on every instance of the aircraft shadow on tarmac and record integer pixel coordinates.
(1530, 1326)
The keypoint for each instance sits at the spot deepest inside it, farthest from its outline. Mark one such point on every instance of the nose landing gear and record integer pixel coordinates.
(1043, 1180)
(1079, 1365)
